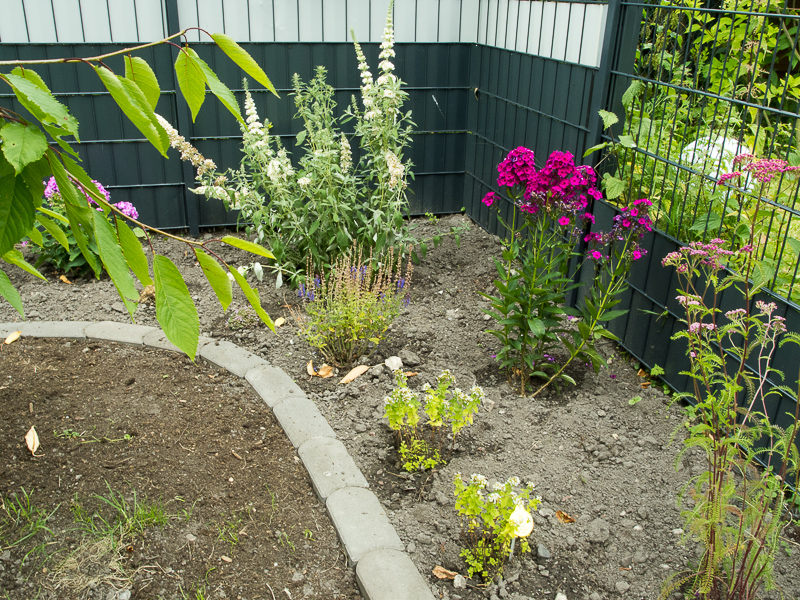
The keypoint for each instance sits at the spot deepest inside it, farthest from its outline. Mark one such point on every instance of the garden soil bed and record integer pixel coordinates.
(608, 464)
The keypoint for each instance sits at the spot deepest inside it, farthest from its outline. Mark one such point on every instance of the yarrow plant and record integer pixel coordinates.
(58, 246)
(326, 202)
(549, 214)
(489, 524)
(446, 418)
(349, 309)
(733, 509)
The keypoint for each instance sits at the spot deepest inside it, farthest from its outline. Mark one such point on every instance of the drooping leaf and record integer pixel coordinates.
(245, 62)
(114, 260)
(10, 293)
(252, 298)
(54, 215)
(35, 236)
(34, 175)
(34, 95)
(140, 73)
(247, 246)
(626, 141)
(613, 187)
(133, 103)
(22, 144)
(12, 337)
(14, 257)
(191, 80)
(595, 149)
(78, 212)
(132, 249)
(77, 173)
(175, 311)
(217, 278)
(17, 207)
(219, 89)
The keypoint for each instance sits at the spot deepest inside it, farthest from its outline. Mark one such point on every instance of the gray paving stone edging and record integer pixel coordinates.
(383, 569)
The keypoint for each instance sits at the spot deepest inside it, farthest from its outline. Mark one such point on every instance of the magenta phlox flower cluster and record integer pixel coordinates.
(631, 224)
(126, 208)
(761, 169)
(517, 169)
(711, 254)
(489, 198)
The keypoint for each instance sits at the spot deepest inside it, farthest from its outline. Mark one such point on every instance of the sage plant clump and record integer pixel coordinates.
(421, 447)
(733, 508)
(549, 216)
(349, 309)
(324, 202)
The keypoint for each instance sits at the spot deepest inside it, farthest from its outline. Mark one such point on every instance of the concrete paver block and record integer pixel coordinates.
(124, 333)
(272, 384)
(158, 339)
(330, 466)
(361, 522)
(390, 575)
(230, 356)
(301, 420)
(7, 329)
(56, 329)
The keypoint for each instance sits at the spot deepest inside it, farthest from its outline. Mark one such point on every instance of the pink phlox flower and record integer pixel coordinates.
(563, 220)
(128, 209)
(588, 217)
(518, 168)
(489, 198)
(638, 253)
(529, 208)
(51, 188)
(593, 237)
(595, 255)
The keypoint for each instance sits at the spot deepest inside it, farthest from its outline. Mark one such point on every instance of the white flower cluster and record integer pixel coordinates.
(188, 152)
(304, 181)
(256, 134)
(279, 169)
(396, 170)
(478, 480)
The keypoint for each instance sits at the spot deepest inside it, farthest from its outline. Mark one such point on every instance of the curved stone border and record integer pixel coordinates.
(383, 569)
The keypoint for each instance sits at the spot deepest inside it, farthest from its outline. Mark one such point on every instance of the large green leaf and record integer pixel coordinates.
(22, 144)
(77, 173)
(34, 175)
(35, 236)
(10, 293)
(191, 80)
(54, 215)
(132, 249)
(14, 257)
(219, 89)
(175, 310)
(140, 73)
(217, 278)
(247, 246)
(609, 118)
(252, 298)
(34, 95)
(114, 261)
(133, 103)
(78, 212)
(238, 55)
(54, 230)
(16, 207)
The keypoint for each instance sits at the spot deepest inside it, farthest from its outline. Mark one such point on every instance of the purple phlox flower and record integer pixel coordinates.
(588, 217)
(638, 253)
(127, 209)
(517, 169)
(529, 208)
(489, 198)
(593, 237)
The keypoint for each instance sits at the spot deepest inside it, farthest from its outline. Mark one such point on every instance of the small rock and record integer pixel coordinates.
(411, 548)
(118, 306)
(424, 538)
(360, 427)
(622, 586)
(408, 357)
(394, 363)
(542, 551)
(640, 557)
(561, 596)
(297, 576)
(626, 561)
(642, 512)
(441, 498)
(460, 582)
(570, 541)
(190, 538)
(599, 531)
(677, 531)
(546, 512)
(595, 596)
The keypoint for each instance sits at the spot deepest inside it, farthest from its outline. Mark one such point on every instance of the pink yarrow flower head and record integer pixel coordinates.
(516, 169)
(761, 169)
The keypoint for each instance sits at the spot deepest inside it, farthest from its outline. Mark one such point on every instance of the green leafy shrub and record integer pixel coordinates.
(349, 309)
(491, 523)
(402, 408)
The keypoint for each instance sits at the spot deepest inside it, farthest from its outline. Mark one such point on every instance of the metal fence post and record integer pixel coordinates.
(184, 125)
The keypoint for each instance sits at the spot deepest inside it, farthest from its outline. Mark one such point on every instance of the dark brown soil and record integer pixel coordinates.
(147, 429)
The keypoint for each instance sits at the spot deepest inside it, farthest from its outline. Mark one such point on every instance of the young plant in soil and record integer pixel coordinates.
(420, 451)
(734, 508)
(490, 524)
(350, 308)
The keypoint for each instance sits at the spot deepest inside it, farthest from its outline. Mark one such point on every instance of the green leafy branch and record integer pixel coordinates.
(34, 148)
